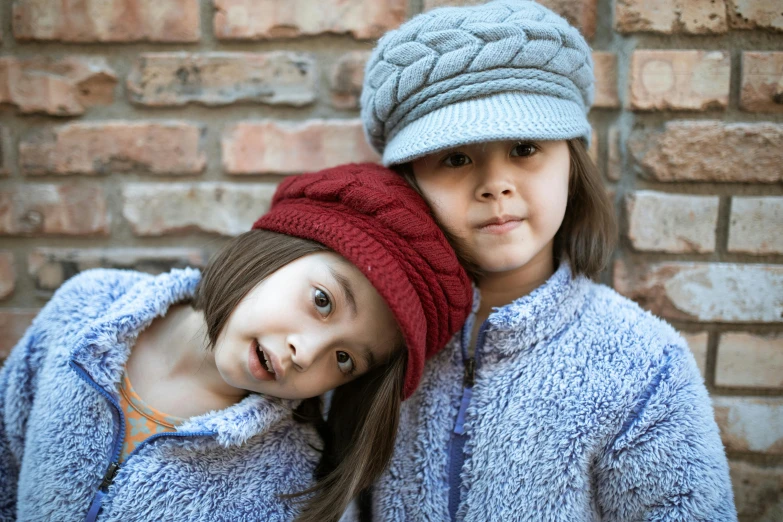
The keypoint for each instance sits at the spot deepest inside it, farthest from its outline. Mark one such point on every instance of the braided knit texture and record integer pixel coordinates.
(453, 54)
(371, 217)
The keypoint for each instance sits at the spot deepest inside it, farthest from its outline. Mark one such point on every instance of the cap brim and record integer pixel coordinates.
(504, 116)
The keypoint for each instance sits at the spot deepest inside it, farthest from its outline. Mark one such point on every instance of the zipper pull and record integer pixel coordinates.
(470, 372)
(108, 478)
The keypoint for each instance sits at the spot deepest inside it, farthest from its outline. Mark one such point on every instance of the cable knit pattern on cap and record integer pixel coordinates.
(370, 216)
(456, 54)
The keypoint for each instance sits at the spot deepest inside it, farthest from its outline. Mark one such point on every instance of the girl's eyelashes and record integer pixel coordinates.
(322, 302)
(456, 160)
(345, 363)
(524, 149)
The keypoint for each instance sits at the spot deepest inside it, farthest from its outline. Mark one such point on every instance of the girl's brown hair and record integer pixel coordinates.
(588, 233)
(361, 425)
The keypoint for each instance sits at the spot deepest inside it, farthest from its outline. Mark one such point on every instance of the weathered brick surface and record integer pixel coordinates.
(7, 274)
(750, 423)
(711, 292)
(758, 491)
(697, 342)
(671, 16)
(275, 78)
(5, 140)
(605, 80)
(762, 82)
(750, 360)
(13, 323)
(114, 146)
(755, 14)
(64, 87)
(282, 147)
(710, 151)
(346, 79)
(107, 20)
(68, 210)
(662, 222)
(51, 267)
(679, 80)
(614, 162)
(264, 19)
(755, 225)
(155, 209)
(581, 13)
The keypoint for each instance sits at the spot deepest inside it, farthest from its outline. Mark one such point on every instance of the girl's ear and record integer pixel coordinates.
(360, 431)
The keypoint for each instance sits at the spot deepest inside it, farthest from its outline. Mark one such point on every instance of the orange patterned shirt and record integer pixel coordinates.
(141, 421)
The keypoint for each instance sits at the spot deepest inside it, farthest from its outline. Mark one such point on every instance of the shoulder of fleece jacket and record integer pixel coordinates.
(665, 460)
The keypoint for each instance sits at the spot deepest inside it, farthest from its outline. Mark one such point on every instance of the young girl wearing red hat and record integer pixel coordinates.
(189, 396)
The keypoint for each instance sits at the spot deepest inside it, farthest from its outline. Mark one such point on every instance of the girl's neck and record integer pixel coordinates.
(173, 370)
(501, 288)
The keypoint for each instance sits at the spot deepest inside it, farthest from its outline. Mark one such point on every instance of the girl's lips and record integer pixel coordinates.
(257, 369)
(500, 228)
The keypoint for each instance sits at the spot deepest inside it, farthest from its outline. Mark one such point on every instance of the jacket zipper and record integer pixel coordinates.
(114, 465)
(458, 435)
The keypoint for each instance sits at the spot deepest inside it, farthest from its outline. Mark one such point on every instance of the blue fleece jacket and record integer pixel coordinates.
(584, 407)
(62, 430)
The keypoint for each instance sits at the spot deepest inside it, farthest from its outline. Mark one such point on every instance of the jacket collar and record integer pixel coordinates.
(540, 315)
(105, 345)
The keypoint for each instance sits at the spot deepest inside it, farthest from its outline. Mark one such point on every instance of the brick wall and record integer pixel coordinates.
(142, 133)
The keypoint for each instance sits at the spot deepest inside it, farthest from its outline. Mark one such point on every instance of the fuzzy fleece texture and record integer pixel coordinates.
(585, 407)
(60, 432)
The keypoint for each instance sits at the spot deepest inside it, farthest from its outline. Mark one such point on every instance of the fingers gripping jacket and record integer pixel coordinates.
(451, 55)
(371, 217)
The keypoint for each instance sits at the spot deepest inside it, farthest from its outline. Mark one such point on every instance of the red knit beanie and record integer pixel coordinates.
(371, 217)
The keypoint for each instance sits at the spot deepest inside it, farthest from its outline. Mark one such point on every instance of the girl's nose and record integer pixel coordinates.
(495, 184)
(304, 350)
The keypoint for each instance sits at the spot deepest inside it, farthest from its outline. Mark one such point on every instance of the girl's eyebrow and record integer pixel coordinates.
(345, 289)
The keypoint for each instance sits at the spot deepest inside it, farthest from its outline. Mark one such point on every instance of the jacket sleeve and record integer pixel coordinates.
(667, 462)
(17, 381)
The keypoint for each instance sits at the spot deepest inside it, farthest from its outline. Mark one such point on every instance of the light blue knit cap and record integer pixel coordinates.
(508, 69)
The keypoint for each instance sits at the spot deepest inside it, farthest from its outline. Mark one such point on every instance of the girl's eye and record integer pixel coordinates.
(345, 363)
(456, 160)
(322, 302)
(523, 149)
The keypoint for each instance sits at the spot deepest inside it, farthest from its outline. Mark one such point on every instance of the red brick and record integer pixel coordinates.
(51, 267)
(64, 87)
(754, 361)
(709, 292)
(580, 13)
(614, 167)
(107, 20)
(606, 96)
(679, 80)
(115, 146)
(755, 14)
(155, 209)
(265, 19)
(697, 342)
(755, 225)
(710, 151)
(661, 222)
(762, 82)
(671, 16)
(750, 423)
(171, 79)
(292, 148)
(7, 274)
(13, 324)
(346, 80)
(758, 491)
(67, 210)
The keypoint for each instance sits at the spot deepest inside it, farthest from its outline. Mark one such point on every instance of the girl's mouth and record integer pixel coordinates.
(259, 363)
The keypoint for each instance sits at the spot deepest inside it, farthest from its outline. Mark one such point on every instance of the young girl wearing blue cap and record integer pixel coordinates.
(334, 288)
(560, 400)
